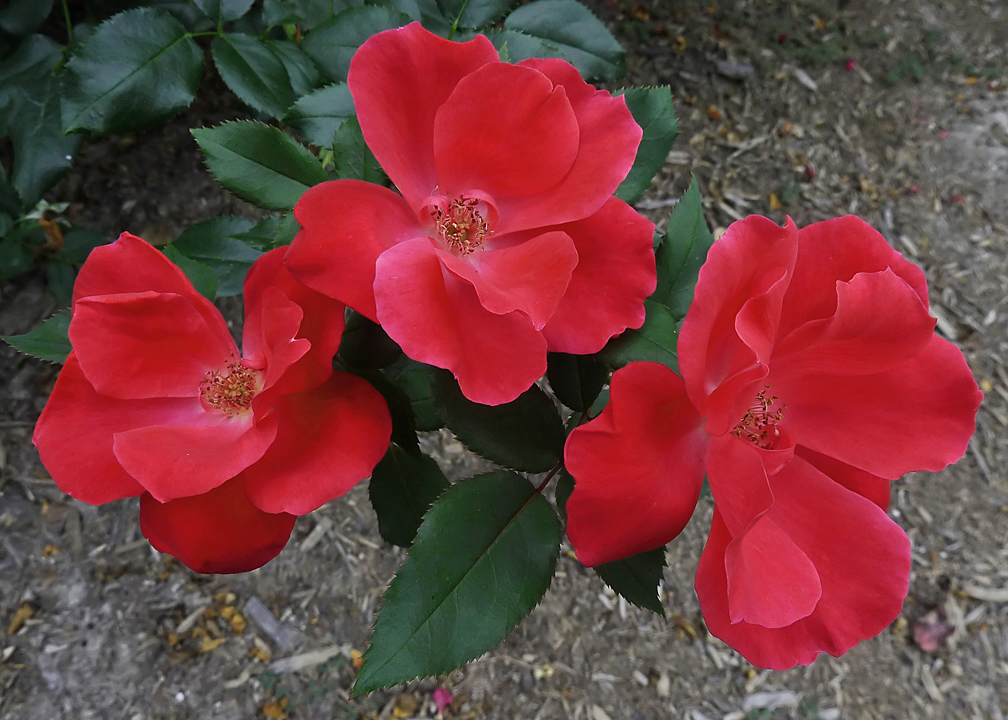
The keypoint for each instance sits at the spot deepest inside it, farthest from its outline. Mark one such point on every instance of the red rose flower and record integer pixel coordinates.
(811, 377)
(506, 240)
(225, 449)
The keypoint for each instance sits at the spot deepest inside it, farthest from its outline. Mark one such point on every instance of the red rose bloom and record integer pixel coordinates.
(811, 377)
(225, 449)
(506, 240)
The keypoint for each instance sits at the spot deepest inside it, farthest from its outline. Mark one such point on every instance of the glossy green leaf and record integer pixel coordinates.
(654, 341)
(318, 115)
(653, 110)
(403, 486)
(137, 69)
(483, 558)
(34, 59)
(14, 259)
(526, 434)
(576, 379)
(636, 578)
(215, 243)
(271, 232)
(333, 43)
(200, 275)
(302, 71)
(364, 343)
(222, 11)
(681, 253)
(60, 281)
(473, 14)
(254, 73)
(354, 159)
(279, 12)
(21, 17)
(572, 29)
(564, 488)
(414, 379)
(399, 406)
(259, 163)
(49, 341)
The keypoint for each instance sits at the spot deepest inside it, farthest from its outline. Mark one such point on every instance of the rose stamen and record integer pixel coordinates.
(230, 390)
(461, 227)
(759, 425)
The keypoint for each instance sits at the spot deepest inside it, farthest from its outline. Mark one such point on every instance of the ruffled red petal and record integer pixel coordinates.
(638, 467)
(147, 345)
(220, 531)
(615, 274)
(437, 318)
(506, 131)
(399, 79)
(529, 276)
(873, 487)
(607, 147)
(269, 344)
(328, 439)
(345, 226)
(862, 559)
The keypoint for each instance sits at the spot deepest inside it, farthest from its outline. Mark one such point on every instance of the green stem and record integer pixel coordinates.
(69, 25)
(454, 27)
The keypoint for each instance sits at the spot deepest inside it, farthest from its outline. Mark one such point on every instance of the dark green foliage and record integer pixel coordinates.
(636, 578)
(216, 244)
(254, 73)
(333, 43)
(653, 110)
(49, 341)
(576, 379)
(681, 254)
(200, 275)
(365, 344)
(318, 115)
(654, 341)
(354, 159)
(403, 486)
(414, 379)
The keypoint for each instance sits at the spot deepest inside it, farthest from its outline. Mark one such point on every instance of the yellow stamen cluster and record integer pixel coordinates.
(230, 390)
(461, 227)
(759, 425)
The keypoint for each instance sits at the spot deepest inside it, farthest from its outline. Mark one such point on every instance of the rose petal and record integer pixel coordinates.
(220, 531)
(328, 439)
(322, 320)
(530, 276)
(399, 79)
(638, 467)
(437, 318)
(74, 435)
(268, 340)
(919, 415)
(174, 461)
(738, 482)
(609, 137)
(147, 345)
(876, 489)
(615, 274)
(345, 226)
(861, 556)
(506, 131)
(836, 250)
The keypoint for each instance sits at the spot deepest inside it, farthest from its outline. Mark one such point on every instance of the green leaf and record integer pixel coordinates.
(564, 488)
(49, 341)
(681, 254)
(138, 69)
(21, 17)
(636, 578)
(222, 11)
(571, 28)
(34, 60)
(354, 159)
(399, 407)
(526, 434)
(215, 244)
(254, 73)
(482, 559)
(653, 110)
(60, 279)
(576, 379)
(654, 341)
(403, 487)
(335, 41)
(414, 379)
(201, 276)
(79, 242)
(474, 13)
(319, 115)
(279, 12)
(271, 232)
(302, 71)
(14, 259)
(365, 345)
(41, 152)
(259, 163)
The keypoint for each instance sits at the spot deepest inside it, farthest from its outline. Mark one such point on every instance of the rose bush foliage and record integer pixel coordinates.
(811, 378)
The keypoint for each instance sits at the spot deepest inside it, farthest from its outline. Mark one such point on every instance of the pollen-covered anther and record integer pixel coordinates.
(461, 227)
(230, 390)
(759, 425)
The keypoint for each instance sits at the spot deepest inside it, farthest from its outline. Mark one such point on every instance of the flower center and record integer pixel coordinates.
(759, 424)
(461, 226)
(230, 390)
